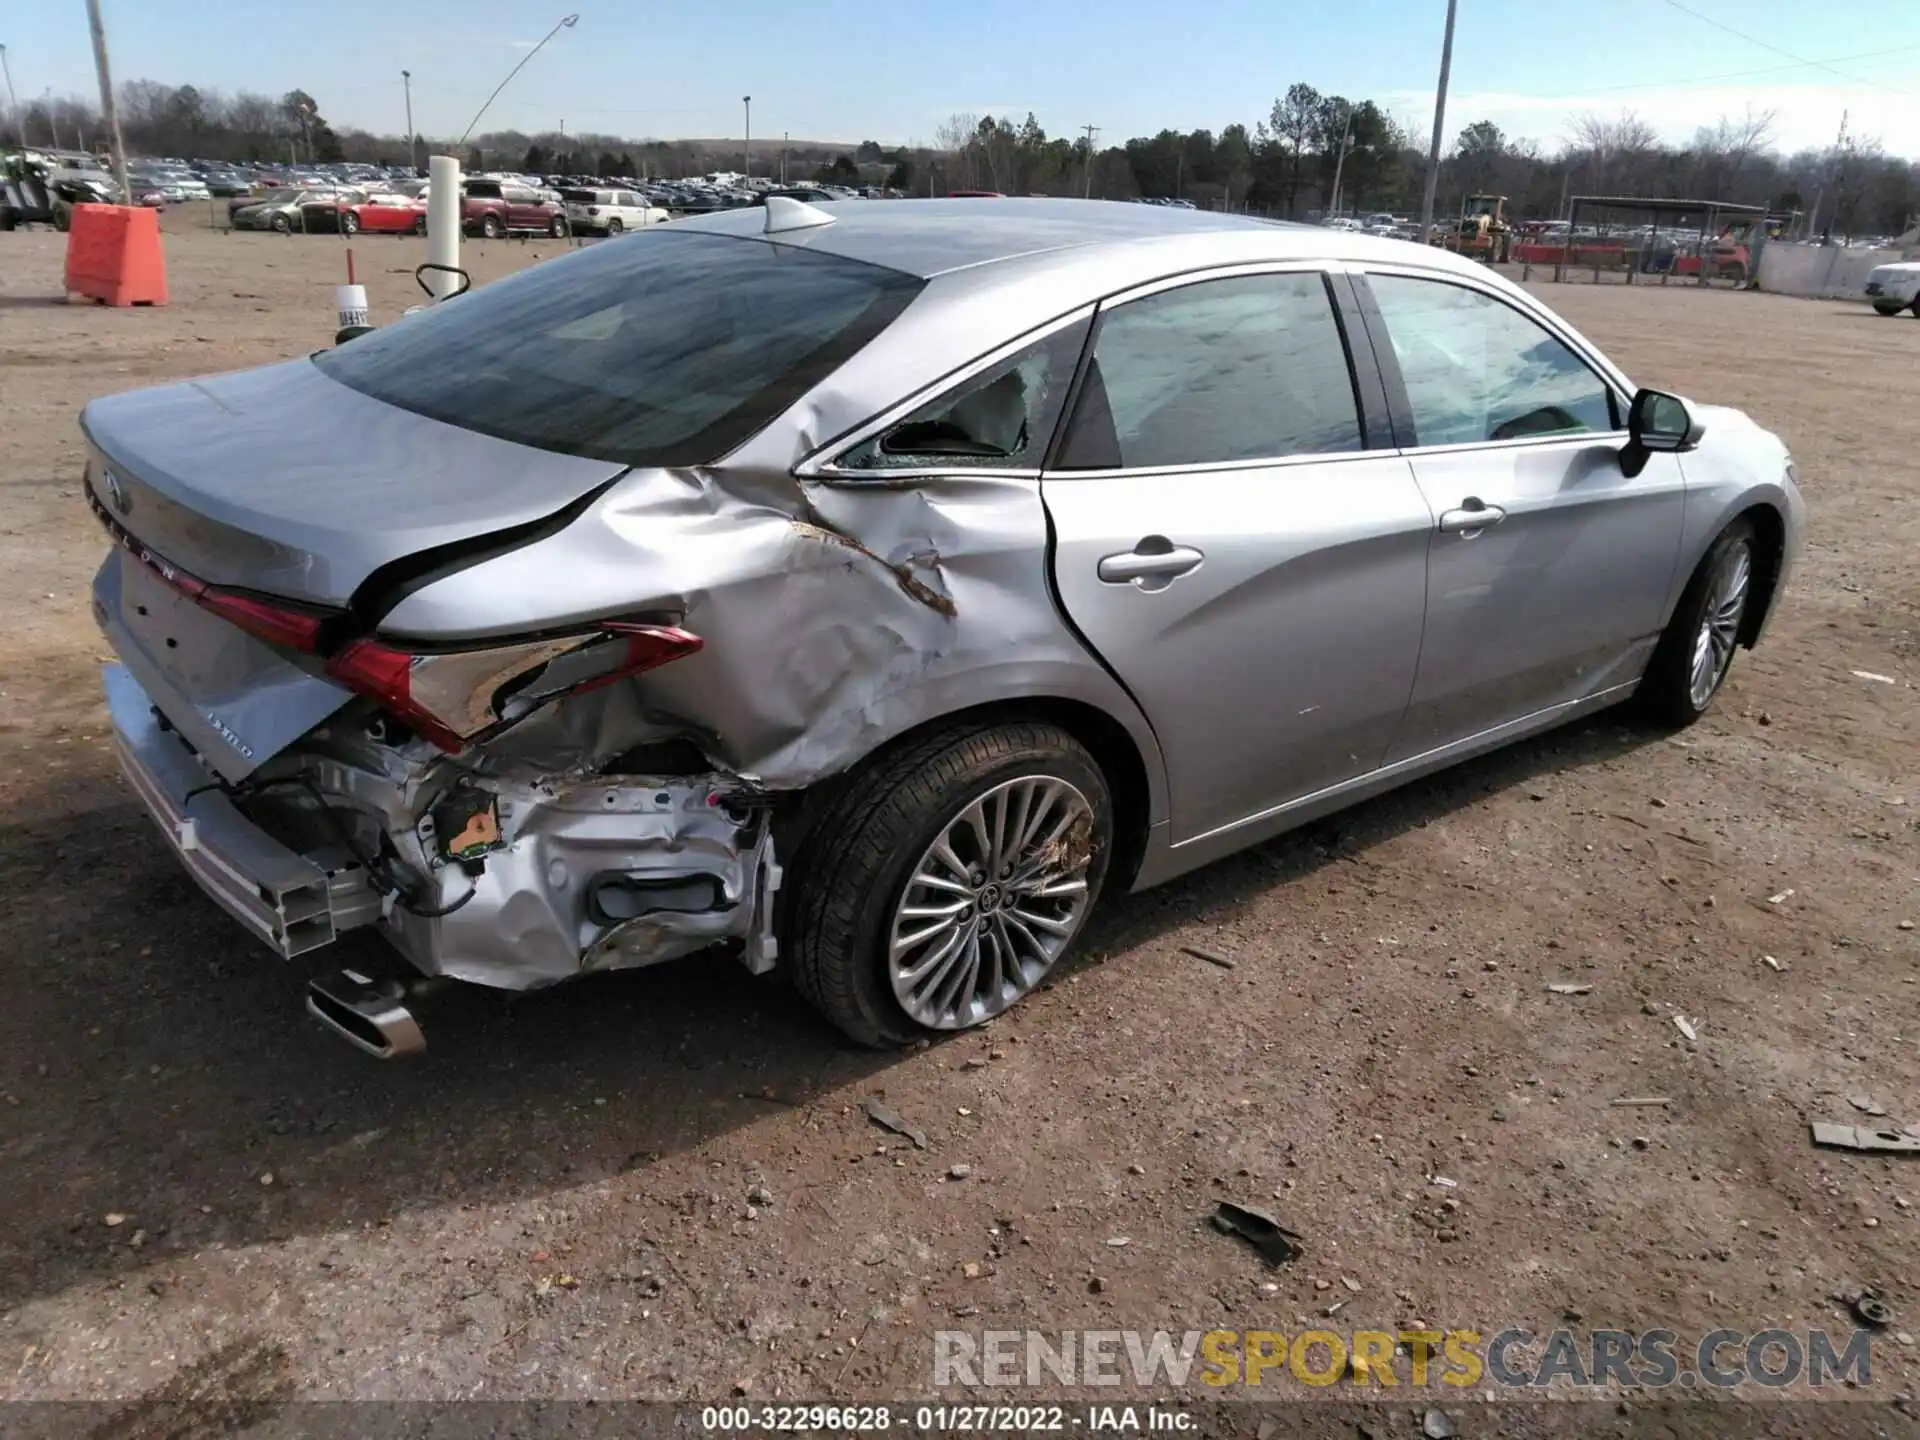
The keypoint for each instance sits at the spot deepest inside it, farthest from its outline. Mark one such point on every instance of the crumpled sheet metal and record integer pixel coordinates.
(528, 925)
(835, 616)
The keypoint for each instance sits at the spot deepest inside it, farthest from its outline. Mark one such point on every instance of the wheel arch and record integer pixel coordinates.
(1769, 556)
(1105, 737)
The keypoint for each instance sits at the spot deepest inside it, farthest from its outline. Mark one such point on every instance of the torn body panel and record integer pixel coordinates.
(835, 616)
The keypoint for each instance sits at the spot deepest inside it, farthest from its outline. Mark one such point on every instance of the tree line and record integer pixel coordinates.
(1311, 154)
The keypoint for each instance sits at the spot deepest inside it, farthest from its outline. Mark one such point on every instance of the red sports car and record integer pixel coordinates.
(381, 214)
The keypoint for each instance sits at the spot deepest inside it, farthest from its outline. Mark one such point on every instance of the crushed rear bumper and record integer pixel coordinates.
(295, 903)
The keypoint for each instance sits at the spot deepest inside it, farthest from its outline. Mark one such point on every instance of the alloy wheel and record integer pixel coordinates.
(992, 903)
(1720, 623)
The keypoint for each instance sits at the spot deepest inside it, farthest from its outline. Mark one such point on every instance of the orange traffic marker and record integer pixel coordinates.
(113, 255)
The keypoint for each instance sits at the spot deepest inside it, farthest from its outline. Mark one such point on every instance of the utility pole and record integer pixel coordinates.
(53, 127)
(108, 111)
(783, 157)
(1091, 131)
(13, 100)
(746, 150)
(1340, 162)
(413, 150)
(1439, 125)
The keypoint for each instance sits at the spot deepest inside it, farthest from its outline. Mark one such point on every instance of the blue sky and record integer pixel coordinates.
(892, 70)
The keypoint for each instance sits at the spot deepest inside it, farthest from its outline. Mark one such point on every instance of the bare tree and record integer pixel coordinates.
(1610, 150)
(1724, 147)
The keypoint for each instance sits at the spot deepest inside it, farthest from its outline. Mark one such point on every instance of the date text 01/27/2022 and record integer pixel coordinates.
(938, 1419)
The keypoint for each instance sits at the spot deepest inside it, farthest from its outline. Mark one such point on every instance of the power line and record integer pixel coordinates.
(1744, 74)
(1775, 49)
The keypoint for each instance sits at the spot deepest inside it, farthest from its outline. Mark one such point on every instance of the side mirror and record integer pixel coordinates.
(1658, 424)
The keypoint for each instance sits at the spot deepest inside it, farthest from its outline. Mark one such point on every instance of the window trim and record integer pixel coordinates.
(1619, 390)
(824, 462)
(1352, 340)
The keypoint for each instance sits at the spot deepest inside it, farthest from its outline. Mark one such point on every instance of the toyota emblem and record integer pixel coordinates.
(116, 491)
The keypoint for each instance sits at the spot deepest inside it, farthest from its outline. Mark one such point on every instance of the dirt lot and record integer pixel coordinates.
(209, 1202)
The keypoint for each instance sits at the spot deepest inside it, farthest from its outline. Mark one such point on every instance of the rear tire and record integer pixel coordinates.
(614, 227)
(1883, 309)
(888, 939)
(282, 225)
(558, 229)
(1695, 652)
(63, 217)
(490, 227)
(349, 223)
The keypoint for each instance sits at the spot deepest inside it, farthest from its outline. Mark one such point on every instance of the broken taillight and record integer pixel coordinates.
(450, 697)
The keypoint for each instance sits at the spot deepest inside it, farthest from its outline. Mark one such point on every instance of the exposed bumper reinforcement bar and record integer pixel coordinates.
(290, 902)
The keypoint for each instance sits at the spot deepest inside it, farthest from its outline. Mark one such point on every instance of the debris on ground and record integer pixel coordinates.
(1641, 1101)
(1877, 679)
(1119, 1242)
(1860, 1137)
(1258, 1228)
(1568, 988)
(1870, 1309)
(1212, 957)
(1781, 898)
(1436, 1424)
(1445, 1184)
(1685, 1027)
(1771, 963)
(1866, 1105)
(885, 1116)
(959, 1172)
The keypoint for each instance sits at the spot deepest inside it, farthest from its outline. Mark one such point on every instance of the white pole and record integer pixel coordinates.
(443, 222)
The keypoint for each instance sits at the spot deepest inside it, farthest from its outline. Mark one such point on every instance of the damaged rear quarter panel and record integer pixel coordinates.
(835, 616)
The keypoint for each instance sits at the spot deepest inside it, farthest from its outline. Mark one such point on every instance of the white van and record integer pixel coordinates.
(608, 212)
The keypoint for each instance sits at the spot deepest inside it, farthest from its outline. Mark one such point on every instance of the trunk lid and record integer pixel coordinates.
(284, 481)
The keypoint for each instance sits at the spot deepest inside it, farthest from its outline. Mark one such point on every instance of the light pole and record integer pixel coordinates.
(783, 157)
(567, 22)
(53, 127)
(413, 152)
(746, 152)
(1439, 124)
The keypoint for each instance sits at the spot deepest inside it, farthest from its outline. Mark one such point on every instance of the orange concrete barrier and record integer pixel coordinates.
(113, 255)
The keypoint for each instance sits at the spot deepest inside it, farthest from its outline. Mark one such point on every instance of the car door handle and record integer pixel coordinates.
(1154, 558)
(1473, 516)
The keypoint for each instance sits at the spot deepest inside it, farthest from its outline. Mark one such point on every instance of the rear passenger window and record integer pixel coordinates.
(1248, 368)
(1001, 418)
(1478, 370)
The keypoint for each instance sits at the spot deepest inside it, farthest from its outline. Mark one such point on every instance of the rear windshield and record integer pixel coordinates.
(580, 197)
(666, 349)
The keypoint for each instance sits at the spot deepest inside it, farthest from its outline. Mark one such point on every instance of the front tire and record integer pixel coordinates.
(558, 229)
(1695, 652)
(946, 880)
(349, 223)
(1881, 308)
(282, 225)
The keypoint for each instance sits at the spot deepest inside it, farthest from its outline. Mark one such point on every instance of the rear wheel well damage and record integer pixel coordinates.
(1104, 737)
(1769, 550)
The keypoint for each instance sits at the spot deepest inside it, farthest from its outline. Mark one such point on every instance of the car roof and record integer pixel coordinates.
(932, 238)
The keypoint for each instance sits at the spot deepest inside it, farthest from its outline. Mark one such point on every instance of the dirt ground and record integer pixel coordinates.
(209, 1202)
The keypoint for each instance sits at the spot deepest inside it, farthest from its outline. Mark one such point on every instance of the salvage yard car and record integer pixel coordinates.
(1896, 287)
(378, 214)
(870, 590)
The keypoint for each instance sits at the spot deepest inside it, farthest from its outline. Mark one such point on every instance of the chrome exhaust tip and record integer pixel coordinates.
(369, 1014)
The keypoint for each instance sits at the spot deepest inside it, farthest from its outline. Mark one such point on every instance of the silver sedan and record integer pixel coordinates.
(868, 591)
